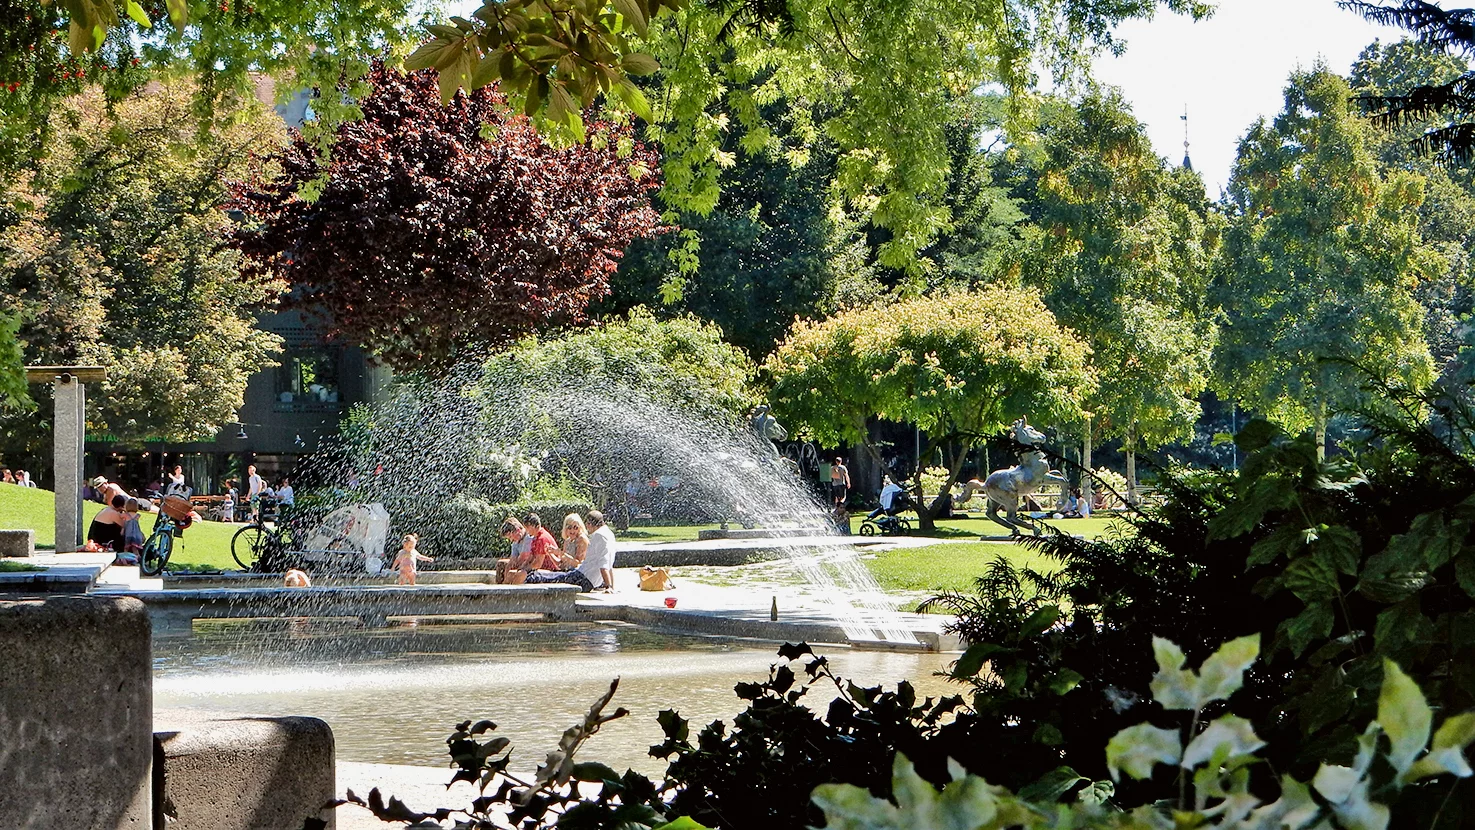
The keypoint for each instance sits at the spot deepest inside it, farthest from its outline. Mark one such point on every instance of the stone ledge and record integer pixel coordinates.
(241, 772)
(55, 579)
(17, 543)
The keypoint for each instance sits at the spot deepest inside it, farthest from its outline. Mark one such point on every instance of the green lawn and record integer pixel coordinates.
(947, 567)
(205, 545)
(973, 528)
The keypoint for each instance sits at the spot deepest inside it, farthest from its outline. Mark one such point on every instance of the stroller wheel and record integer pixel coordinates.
(867, 529)
(903, 526)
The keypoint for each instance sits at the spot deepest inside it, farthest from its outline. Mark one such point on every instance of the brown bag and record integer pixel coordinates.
(515, 577)
(655, 579)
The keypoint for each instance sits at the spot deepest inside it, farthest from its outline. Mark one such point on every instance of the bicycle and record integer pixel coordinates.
(257, 545)
(173, 517)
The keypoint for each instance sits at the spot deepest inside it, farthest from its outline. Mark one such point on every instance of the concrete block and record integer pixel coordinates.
(17, 542)
(76, 714)
(241, 772)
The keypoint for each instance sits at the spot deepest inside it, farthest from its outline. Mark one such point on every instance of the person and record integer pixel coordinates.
(595, 567)
(1072, 506)
(6, 476)
(107, 490)
(132, 530)
(285, 496)
(839, 481)
(23, 478)
(107, 526)
(543, 554)
(295, 578)
(255, 487)
(228, 510)
(575, 542)
(176, 481)
(406, 560)
(521, 541)
(890, 492)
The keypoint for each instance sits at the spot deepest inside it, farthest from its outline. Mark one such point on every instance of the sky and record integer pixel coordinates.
(1228, 69)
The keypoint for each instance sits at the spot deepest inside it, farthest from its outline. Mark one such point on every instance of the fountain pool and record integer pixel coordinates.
(393, 694)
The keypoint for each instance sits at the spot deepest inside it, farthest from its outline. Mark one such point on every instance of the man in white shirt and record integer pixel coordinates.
(284, 493)
(255, 486)
(596, 570)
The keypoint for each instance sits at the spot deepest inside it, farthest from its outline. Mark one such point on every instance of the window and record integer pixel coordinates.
(308, 376)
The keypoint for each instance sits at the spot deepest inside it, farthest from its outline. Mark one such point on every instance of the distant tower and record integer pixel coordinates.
(1187, 162)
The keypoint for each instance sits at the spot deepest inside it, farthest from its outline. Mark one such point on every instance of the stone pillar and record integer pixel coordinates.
(76, 714)
(67, 444)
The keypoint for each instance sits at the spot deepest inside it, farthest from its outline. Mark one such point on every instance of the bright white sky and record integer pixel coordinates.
(1229, 70)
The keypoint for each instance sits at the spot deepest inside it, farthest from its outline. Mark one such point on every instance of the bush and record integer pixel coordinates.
(469, 528)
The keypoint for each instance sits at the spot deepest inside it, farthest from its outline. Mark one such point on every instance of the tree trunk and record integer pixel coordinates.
(1086, 468)
(1129, 446)
(1321, 429)
(927, 512)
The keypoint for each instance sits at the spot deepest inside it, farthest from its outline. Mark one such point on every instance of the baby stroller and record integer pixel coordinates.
(889, 523)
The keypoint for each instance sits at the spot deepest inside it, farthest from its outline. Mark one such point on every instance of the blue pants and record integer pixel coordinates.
(561, 577)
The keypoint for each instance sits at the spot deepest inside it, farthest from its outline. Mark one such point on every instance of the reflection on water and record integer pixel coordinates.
(393, 694)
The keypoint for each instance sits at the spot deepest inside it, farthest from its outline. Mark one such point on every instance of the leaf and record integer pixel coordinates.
(1137, 749)
(1340, 548)
(683, 823)
(1065, 680)
(1223, 673)
(1465, 572)
(1039, 622)
(1335, 783)
(594, 771)
(178, 12)
(1256, 435)
(139, 16)
(1312, 624)
(1404, 715)
(1231, 733)
(633, 15)
(973, 659)
(635, 100)
(1172, 686)
(1447, 752)
(1052, 785)
(637, 63)
(673, 725)
(1311, 580)
(790, 651)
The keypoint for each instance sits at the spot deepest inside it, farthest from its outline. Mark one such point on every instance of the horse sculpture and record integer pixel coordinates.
(1007, 488)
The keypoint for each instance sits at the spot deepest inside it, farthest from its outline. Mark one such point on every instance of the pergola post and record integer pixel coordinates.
(69, 392)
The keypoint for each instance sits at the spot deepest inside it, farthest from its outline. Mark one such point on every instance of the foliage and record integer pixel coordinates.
(1122, 256)
(438, 232)
(1319, 264)
(111, 253)
(13, 391)
(960, 366)
(682, 362)
(1216, 760)
(1444, 106)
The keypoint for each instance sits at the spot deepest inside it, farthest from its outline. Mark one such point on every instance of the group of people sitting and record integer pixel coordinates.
(19, 477)
(586, 558)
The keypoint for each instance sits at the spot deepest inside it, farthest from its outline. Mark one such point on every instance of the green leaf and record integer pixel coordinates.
(1052, 785)
(1065, 680)
(139, 16)
(638, 63)
(634, 16)
(1465, 572)
(1048, 734)
(1257, 434)
(1447, 752)
(635, 100)
(1281, 542)
(849, 806)
(1404, 715)
(1234, 736)
(683, 823)
(1172, 686)
(178, 12)
(1335, 783)
(1038, 622)
(1137, 749)
(1340, 548)
(594, 771)
(1311, 580)
(1223, 673)
(973, 659)
(1312, 624)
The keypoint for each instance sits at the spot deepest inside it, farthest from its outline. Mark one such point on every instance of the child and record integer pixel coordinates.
(405, 560)
(295, 578)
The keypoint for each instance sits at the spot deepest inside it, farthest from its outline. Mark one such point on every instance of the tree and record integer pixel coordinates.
(960, 366)
(1122, 255)
(1442, 106)
(1321, 258)
(682, 362)
(112, 252)
(433, 233)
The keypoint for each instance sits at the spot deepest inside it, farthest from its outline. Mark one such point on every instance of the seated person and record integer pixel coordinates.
(522, 542)
(894, 499)
(593, 566)
(544, 553)
(107, 526)
(1071, 509)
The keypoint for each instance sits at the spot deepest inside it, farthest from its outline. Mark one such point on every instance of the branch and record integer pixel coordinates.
(829, 10)
(1453, 29)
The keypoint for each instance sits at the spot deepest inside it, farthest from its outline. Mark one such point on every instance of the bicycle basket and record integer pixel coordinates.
(176, 508)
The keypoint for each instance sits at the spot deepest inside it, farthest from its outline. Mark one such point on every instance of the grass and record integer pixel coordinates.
(1092, 528)
(204, 546)
(665, 533)
(7, 567)
(947, 567)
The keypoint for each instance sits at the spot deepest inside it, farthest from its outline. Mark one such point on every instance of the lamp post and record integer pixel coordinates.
(68, 384)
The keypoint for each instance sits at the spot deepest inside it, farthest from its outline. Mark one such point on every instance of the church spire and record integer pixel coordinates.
(1187, 162)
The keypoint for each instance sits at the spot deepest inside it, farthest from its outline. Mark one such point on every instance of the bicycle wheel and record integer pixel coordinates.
(156, 553)
(903, 526)
(867, 529)
(248, 544)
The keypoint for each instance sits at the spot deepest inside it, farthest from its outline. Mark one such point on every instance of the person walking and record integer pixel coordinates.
(839, 482)
(255, 487)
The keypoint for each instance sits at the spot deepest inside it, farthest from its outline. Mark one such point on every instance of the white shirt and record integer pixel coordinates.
(284, 494)
(599, 556)
(888, 494)
(257, 485)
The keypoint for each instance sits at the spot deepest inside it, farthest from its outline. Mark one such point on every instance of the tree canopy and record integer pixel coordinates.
(433, 233)
(1321, 259)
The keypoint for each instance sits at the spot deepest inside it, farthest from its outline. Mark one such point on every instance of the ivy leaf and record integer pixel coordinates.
(1312, 624)
(1137, 749)
(1404, 715)
(1447, 752)
(1230, 734)
(1311, 580)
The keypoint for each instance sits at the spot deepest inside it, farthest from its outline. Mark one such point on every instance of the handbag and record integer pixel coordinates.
(655, 579)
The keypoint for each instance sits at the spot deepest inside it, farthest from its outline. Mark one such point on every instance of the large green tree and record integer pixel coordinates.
(960, 366)
(1122, 253)
(112, 252)
(1321, 260)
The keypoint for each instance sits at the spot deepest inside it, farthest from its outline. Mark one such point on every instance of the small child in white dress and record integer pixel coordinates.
(405, 560)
